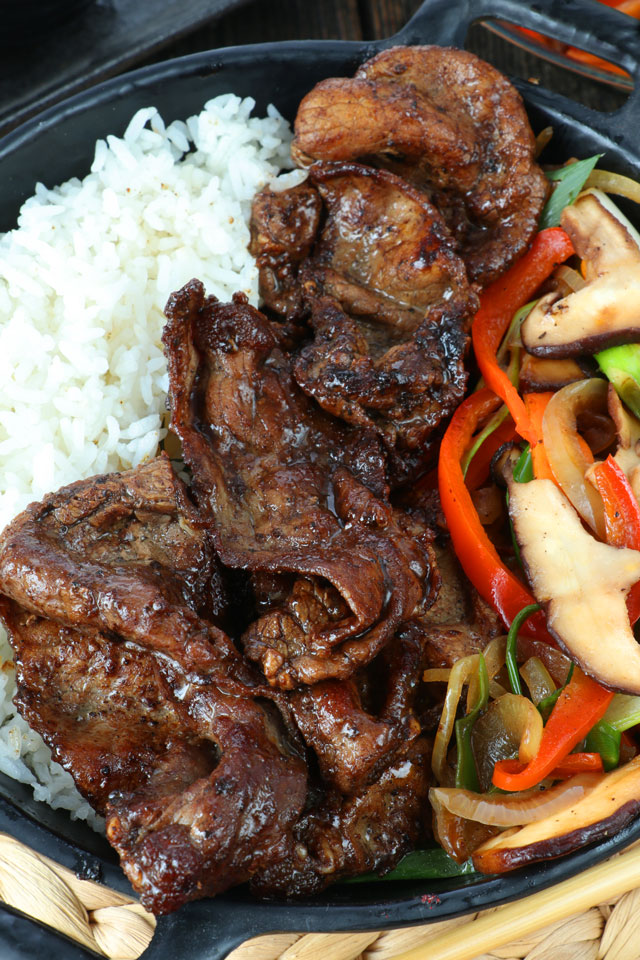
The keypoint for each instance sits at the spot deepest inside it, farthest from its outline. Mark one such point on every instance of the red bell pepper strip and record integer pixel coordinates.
(621, 516)
(578, 763)
(478, 556)
(499, 302)
(569, 767)
(480, 466)
(580, 705)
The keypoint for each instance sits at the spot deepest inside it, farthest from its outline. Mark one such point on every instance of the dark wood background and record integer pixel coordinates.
(265, 20)
(108, 37)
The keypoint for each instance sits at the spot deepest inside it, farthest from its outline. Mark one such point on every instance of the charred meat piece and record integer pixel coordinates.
(122, 553)
(406, 395)
(451, 124)
(200, 789)
(354, 740)
(283, 229)
(286, 489)
(389, 354)
(370, 831)
(388, 245)
(459, 623)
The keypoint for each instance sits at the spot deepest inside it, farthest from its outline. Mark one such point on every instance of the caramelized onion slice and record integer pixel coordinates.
(554, 660)
(511, 726)
(538, 680)
(614, 183)
(460, 673)
(514, 809)
(565, 449)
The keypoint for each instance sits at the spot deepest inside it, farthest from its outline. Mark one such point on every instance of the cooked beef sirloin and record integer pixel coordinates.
(283, 230)
(451, 124)
(148, 705)
(285, 488)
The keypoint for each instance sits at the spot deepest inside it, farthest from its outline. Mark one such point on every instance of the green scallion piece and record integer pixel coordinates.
(569, 182)
(420, 865)
(466, 772)
(605, 740)
(621, 365)
(512, 644)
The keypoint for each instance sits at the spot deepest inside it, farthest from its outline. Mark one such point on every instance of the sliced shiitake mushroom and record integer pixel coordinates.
(605, 312)
(581, 583)
(601, 811)
(538, 375)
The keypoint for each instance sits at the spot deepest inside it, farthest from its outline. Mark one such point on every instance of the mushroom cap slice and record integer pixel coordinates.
(605, 809)
(582, 583)
(605, 312)
(538, 375)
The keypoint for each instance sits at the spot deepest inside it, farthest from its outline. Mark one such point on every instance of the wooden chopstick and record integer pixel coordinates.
(516, 920)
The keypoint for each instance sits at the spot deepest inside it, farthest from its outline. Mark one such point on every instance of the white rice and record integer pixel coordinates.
(83, 283)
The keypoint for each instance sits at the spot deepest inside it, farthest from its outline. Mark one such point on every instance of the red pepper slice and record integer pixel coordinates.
(480, 466)
(569, 767)
(478, 556)
(578, 763)
(580, 705)
(499, 302)
(621, 516)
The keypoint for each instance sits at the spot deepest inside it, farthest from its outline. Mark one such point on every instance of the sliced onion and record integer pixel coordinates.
(556, 662)
(614, 183)
(495, 655)
(565, 448)
(496, 690)
(537, 679)
(460, 674)
(511, 726)
(570, 277)
(623, 712)
(437, 675)
(523, 722)
(542, 139)
(494, 658)
(515, 809)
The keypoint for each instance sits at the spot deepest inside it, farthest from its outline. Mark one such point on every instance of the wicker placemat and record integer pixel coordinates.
(595, 916)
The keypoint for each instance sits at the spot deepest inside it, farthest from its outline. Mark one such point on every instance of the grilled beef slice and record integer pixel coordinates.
(288, 490)
(148, 705)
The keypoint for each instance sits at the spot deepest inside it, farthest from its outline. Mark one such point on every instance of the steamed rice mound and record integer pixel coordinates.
(83, 283)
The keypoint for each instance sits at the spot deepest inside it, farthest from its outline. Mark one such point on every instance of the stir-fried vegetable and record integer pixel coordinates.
(538, 752)
(580, 705)
(498, 304)
(569, 182)
(621, 365)
(512, 640)
(466, 773)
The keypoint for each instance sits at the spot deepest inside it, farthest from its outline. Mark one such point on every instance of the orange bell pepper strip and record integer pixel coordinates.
(535, 405)
(621, 516)
(478, 556)
(499, 302)
(580, 705)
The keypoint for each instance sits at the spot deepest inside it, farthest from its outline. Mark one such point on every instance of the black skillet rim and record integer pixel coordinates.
(234, 917)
